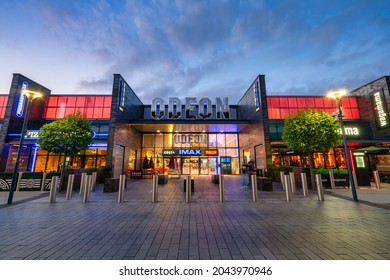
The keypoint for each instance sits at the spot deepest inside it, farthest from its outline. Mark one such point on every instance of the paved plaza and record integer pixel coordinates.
(270, 228)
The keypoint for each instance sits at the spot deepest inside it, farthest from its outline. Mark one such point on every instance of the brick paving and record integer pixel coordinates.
(205, 228)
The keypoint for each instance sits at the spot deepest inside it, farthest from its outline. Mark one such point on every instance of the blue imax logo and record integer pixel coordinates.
(190, 152)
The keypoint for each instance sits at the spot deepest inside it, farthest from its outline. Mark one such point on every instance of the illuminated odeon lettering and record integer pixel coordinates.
(380, 109)
(350, 131)
(190, 138)
(22, 101)
(190, 152)
(192, 108)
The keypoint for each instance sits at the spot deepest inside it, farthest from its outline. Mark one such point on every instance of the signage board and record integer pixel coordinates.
(379, 107)
(22, 101)
(190, 152)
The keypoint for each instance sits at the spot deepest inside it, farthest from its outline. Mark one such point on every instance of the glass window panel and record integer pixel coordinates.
(159, 140)
(89, 114)
(347, 113)
(71, 101)
(99, 101)
(344, 102)
(293, 111)
(319, 104)
(102, 151)
(51, 113)
(353, 102)
(284, 113)
(106, 113)
(148, 140)
(329, 103)
(62, 101)
(97, 112)
(292, 102)
(107, 101)
(283, 102)
(52, 101)
(355, 114)
(80, 101)
(273, 101)
(274, 113)
(232, 152)
(310, 102)
(301, 102)
(221, 140)
(90, 101)
(212, 140)
(168, 140)
(90, 152)
(148, 153)
(69, 111)
(221, 152)
(231, 140)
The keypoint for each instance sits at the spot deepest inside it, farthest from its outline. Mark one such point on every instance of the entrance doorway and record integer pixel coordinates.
(190, 166)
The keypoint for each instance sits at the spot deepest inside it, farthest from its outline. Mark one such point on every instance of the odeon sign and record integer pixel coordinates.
(192, 109)
(190, 152)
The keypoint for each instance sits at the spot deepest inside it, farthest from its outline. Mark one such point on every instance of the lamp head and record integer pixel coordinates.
(337, 94)
(31, 94)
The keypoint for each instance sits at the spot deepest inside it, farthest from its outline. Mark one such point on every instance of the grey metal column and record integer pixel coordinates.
(82, 183)
(93, 184)
(332, 183)
(155, 188)
(188, 188)
(292, 180)
(87, 188)
(53, 189)
(304, 184)
(43, 183)
(320, 189)
(288, 187)
(282, 180)
(254, 187)
(69, 189)
(221, 188)
(122, 183)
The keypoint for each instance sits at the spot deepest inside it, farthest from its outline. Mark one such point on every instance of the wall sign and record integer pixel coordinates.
(190, 138)
(190, 152)
(22, 101)
(192, 108)
(381, 113)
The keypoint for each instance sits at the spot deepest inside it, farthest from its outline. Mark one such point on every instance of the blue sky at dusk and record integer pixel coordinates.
(195, 48)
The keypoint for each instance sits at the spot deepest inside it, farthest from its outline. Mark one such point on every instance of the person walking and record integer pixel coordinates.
(244, 176)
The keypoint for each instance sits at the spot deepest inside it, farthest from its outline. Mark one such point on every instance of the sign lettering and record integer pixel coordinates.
(380, 110)
(22, 101)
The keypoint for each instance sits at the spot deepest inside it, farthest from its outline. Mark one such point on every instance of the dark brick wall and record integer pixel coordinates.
(257, 133)
(366, 108)
(120, 132)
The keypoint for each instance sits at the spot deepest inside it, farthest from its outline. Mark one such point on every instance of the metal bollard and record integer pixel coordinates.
(288, 187)
(332, 183)
(320, 189)
(188, 189)
(221, 188)
(93, 183)
(254, 187)
(122, 183)
(292, 180)
(20, 174)
(53, 189)
(304, 184)
(155, 188)
(43, 181)
(377, 179)
(87, 188)
(282, 180)
(355, 179)
(82, 183)
(69, 189)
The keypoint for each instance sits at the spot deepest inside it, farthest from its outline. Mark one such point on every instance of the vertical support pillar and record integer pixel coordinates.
(320, 189)
(304, 184)
(332, 183)
(282, 180)
(19, 181)
(155, 188)
(188, 188)
(377, 179)
(354, 179)
(254, 187)
(53, 189)
(82, 183)
(93, 183)
(292, 180)
(69, 189)
(221, 188)
(122, 183)
(287, 186)
(87, 188)
(43, 183)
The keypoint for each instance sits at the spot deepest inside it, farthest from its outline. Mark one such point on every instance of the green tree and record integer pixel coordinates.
(311, 131)
(67, 136)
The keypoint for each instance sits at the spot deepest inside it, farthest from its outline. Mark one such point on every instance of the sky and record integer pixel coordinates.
(189, 48)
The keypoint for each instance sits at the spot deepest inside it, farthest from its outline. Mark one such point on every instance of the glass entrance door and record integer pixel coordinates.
(204, 166)
(190, 166)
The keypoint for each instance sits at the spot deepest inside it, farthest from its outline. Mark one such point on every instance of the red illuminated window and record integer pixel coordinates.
(99, 101)
(52, 102)
(283, 102)
(292, 102)
(106, 113)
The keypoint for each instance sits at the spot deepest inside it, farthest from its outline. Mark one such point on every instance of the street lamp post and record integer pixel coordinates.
(337, 96)
(30, 96)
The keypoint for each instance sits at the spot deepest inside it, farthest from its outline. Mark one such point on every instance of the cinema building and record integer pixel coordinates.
(189, 135)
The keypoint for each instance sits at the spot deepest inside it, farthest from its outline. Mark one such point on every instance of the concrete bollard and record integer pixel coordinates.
(332, 183)
(155, 188)
(288, 187)
(43, 181)
(282, 180)
(221, 188)
(304, 184)
(53, 189)
(82, 183)
(292, 181)
(93, 182)
(188, 188)
(254, 187)
(87, 188)
(69, 189)
(122, 183)
(320, 189)
(377, 179)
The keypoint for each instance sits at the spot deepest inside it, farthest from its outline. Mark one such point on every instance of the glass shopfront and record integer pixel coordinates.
(189, 153)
